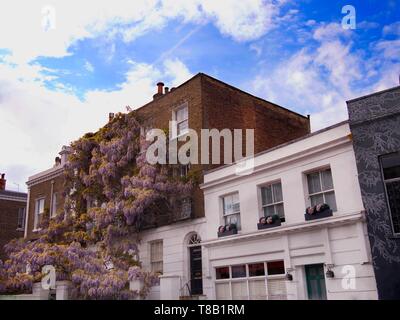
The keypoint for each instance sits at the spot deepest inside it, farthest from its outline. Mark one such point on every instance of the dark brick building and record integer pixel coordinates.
(375, 126)
(12, 215)
(202, 102)
(211, 103)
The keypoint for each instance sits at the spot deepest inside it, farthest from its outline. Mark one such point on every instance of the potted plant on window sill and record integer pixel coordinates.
(269, 222)
(227, 230)
(317, 212)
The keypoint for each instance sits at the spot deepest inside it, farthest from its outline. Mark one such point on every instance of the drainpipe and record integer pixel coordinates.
(27, 213)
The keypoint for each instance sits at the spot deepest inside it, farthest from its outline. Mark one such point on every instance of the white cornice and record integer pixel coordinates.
(343, 140)
(12, 198)
(45, 175)
(335, 220)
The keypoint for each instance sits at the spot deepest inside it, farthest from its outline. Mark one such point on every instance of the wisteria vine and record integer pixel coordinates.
(109, 189)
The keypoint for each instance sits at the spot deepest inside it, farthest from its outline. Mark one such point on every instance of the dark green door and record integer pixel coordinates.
(315, 282)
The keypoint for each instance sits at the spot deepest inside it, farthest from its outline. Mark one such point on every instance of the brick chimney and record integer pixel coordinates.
(159, 93)
(3, 182)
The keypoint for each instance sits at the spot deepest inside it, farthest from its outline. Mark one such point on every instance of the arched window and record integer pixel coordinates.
(194, 239)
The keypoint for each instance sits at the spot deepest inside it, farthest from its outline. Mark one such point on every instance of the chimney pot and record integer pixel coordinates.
(160, 86)
(110, 116)
(166, 90)
(3, 182)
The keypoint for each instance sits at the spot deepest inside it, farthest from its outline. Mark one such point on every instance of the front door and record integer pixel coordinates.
(315, 282)
(196, 279)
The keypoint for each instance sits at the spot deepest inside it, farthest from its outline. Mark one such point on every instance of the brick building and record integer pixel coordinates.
(45, 193)
(202, 102)
(12, 215)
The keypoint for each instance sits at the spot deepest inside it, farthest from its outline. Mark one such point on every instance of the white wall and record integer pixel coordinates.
(339, 240)
(175, 251)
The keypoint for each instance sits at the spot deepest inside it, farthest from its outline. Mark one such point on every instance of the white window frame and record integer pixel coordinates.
(273, 203)
(224, 215)
(247, 278)
(175, 128)
(54, 204)
(319, 171)
(37, 213)
(151, 255)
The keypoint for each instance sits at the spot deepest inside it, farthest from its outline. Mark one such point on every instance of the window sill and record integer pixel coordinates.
(227, 233)
(180, 135)
(37, 230)
(318, 215)
(20, 229)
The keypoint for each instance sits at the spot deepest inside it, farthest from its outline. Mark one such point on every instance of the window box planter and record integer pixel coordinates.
(261, 226)
(269, 222)
(318, 212)
(227, 230)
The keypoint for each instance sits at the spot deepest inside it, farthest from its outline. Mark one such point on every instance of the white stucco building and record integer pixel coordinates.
(327, 257)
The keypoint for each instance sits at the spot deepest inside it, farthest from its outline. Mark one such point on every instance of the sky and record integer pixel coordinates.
(64, 65)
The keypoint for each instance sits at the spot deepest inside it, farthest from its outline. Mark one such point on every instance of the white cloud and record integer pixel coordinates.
(319, 80)
(24, 25)
(89, 67)
(393, 28)
(37, 121)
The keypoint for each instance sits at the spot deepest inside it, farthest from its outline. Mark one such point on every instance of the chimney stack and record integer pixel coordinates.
(110, 116)
(159, 93)
(57, 161)
(3, 182)
(160, 86)
(166, 90)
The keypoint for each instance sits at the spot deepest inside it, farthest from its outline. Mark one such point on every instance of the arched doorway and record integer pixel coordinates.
(195, 265)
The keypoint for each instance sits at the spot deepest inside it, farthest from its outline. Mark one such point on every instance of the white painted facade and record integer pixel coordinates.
(338, 243)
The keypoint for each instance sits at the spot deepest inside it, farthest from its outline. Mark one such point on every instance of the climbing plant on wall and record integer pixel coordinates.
(109, 189)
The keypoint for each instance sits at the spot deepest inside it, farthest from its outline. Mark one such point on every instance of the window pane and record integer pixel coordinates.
(314, 184)
(227, 200)
(266, 194)
(222, 273)
(183, 127)
(239, 290)
(269, 211)
(280, 211)
(275, 267)
(317, 199)
(276, 289)
(256, 269)
(181, 114)
(239, 271)
(257, 290)
(233, 218)
(393, 193)
(391, 165)
(330, 200)
(223, 291)
(277, 187)
(327, 182)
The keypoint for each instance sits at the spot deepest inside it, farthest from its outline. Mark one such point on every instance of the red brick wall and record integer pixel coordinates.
(227, 107)
(213, 104)
(9, 222)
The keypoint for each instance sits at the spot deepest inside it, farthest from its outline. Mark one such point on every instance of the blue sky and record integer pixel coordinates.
(98, 56)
